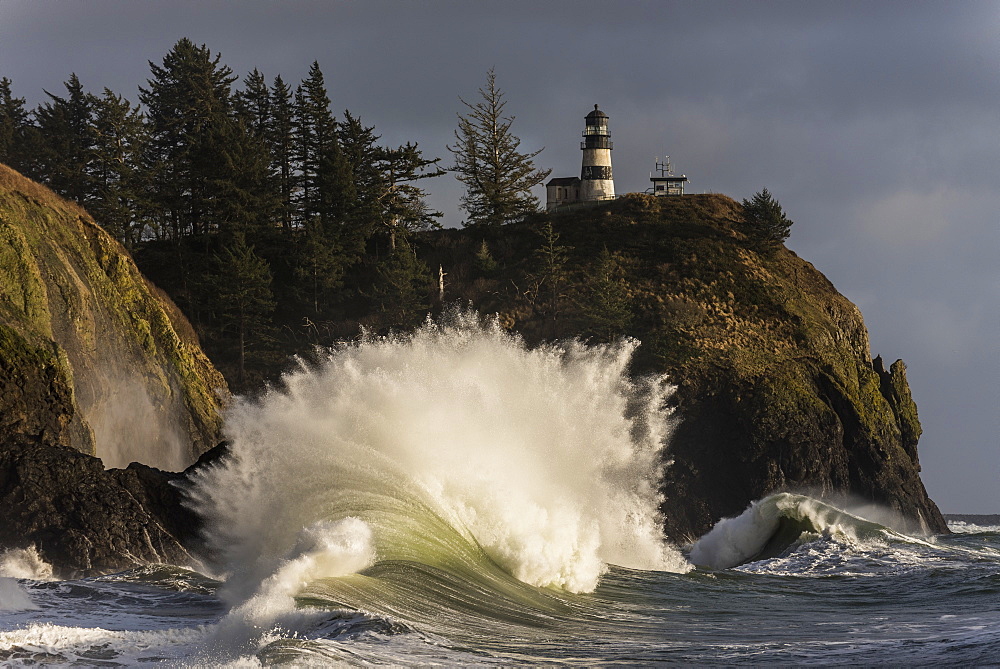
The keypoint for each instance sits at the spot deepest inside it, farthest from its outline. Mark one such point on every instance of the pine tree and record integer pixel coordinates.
(401, 202)
(14, 128)
(66, 155)
(402, 287)
(485, 263)
(764, 222)
(241, 283)
(186, 97)
(498, 178)
(118, 174)
(253, 105)
(605, 304)
(324, 177)
(242, 199)
(281, 139)
(384, 180)
(359, 144)
(319, 270)
(551, 276)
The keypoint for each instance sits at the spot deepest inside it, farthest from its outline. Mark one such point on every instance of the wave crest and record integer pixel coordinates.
(773, 524)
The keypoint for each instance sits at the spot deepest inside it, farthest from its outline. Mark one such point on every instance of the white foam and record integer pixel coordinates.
(13, 597)
(59, 644)
(323, 550)
(964, 527)
(733, 540)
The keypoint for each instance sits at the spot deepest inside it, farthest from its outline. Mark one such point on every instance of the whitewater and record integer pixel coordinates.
(453, 496)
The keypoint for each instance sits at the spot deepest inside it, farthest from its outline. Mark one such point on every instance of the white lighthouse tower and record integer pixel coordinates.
(596, 180)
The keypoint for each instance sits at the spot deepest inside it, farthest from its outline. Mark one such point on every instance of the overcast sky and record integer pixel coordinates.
(876, 125)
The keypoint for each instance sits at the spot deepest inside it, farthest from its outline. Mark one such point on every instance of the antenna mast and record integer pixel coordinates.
(665, 168)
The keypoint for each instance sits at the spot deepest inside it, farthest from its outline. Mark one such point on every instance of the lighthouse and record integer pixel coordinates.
(596, 180)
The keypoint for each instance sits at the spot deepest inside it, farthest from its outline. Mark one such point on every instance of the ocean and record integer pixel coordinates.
(451, 496)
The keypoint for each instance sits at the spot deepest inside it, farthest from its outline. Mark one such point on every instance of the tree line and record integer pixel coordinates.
(251, 202)
(200, 156)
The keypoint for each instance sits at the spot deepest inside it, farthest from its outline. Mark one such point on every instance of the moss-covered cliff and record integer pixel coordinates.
(92, 356)
(777, 389)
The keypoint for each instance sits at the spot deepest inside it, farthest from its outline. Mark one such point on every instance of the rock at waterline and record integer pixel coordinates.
(85, 520)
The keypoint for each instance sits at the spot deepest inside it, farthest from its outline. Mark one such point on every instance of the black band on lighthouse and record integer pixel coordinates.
(596, 172)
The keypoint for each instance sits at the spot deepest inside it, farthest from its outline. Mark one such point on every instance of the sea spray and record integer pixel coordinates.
(20, 563)
(132, 422)
(457, 446)
(24, 563)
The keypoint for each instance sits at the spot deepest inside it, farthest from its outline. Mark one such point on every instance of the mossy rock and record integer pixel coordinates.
(114, 358)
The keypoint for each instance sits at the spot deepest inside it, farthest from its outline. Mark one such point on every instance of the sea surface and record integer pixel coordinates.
(827, 600)
(453, 497)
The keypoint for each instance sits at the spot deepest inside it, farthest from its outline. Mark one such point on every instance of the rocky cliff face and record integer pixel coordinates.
(777, 389)
(92, 356)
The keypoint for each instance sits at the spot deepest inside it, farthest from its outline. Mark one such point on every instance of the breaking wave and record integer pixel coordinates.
(774, 524)
(455, 453)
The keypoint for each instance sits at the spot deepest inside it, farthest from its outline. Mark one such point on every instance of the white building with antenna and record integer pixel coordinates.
(666, 183)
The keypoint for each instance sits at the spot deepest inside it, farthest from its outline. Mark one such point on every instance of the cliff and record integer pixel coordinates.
(777, 389)
(92, 356)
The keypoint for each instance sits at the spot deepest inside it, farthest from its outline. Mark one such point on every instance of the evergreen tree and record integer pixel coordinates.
(337, 196)
(281, 140)
(67, 151)
(186, 98)
(359, 145)
(325, 185)
(485, 263)
(605, 304)
(253, 105)
(241, 283)
(319, 270)
(242, 198)
(401, 202)
(498, 178)
(402, 287)
(384, 181)
(551, 276)
(118, 174)
(764, 222)
(14, 128)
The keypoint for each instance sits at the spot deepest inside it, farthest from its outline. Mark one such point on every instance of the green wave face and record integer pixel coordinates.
(452, 468)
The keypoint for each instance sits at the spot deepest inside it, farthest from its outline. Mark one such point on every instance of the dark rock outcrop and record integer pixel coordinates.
(85, 520)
